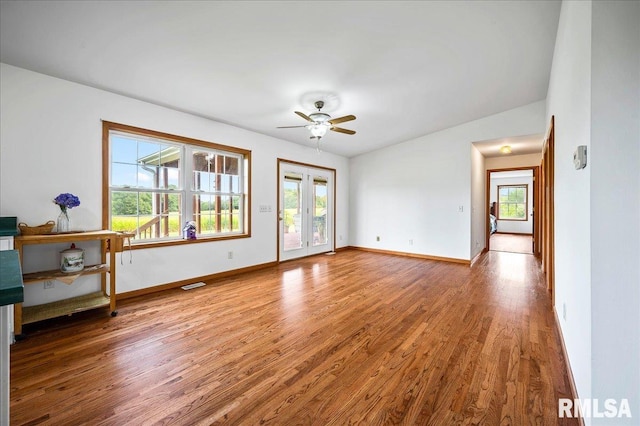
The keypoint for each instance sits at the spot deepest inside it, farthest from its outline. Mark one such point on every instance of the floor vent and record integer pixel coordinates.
(191, 286)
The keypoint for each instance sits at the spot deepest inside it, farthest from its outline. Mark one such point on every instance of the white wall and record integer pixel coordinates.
(51, 142)
(569, 100)
(513, 226)
(508, 161)
(413, 190)
(478, 208)
(614, 157)
(594, 94)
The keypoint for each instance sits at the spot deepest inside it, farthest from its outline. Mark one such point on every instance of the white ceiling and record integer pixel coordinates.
(520, 145)
(512, 174)
(405, 69)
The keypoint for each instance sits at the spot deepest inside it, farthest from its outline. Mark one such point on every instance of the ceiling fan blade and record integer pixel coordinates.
(341, 130)
(288, 127)
(342, 119)
(303, 115)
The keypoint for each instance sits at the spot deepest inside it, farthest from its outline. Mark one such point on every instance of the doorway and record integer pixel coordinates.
(305, 210)
(512, 198)
(547, 209)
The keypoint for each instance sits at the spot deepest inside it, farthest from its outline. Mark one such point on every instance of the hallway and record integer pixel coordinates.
(511, 243)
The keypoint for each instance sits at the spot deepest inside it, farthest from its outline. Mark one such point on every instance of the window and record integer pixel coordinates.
(156, 182)
(512, 202)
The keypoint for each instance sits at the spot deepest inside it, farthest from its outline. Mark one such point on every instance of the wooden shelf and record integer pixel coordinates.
(64, 307)
(65, 237)
(105, 297)
(56, 273)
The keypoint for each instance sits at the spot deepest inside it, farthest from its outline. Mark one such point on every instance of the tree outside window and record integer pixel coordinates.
(512, 202)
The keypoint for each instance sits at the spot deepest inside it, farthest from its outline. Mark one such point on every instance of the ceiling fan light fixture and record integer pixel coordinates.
(320, 117)
(506, 149)
(318, 123)
(318, 130)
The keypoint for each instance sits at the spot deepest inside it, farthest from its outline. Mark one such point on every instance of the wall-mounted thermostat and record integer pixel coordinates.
(580, 157)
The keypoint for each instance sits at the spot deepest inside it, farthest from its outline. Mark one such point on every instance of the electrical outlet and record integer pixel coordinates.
(564, 311)
(378, 238)
(340, 237)
(230, 255)
(48, 285)
(410, 242)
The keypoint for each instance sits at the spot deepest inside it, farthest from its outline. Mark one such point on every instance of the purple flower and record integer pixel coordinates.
(66, 201)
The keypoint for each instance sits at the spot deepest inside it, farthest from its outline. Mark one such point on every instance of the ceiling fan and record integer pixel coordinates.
(320, 122)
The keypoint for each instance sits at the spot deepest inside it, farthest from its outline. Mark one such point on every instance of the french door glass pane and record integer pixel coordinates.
(319, 211)
(293, 218)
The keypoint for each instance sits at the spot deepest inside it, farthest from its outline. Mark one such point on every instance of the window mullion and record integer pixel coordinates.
(187, 184)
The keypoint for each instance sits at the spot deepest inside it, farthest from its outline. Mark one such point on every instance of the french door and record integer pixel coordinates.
(305, 210)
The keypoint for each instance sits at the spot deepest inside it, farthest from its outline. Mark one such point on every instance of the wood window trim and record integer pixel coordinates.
(526, 202)
(108, 126)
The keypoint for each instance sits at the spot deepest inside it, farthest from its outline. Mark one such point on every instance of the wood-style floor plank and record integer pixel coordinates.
(352, 338)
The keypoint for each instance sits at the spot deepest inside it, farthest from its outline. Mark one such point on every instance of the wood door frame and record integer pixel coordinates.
(535, 190)
(279, 218)
(547, 209)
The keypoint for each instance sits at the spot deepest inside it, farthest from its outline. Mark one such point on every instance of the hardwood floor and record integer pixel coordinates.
(330, 340)
(512, 243)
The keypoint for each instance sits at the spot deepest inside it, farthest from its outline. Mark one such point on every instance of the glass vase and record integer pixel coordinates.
(63, 223)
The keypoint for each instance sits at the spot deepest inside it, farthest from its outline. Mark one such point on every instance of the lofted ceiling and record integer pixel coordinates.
(405, 69)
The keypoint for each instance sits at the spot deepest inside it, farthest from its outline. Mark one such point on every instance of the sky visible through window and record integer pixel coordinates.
(133, 161)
